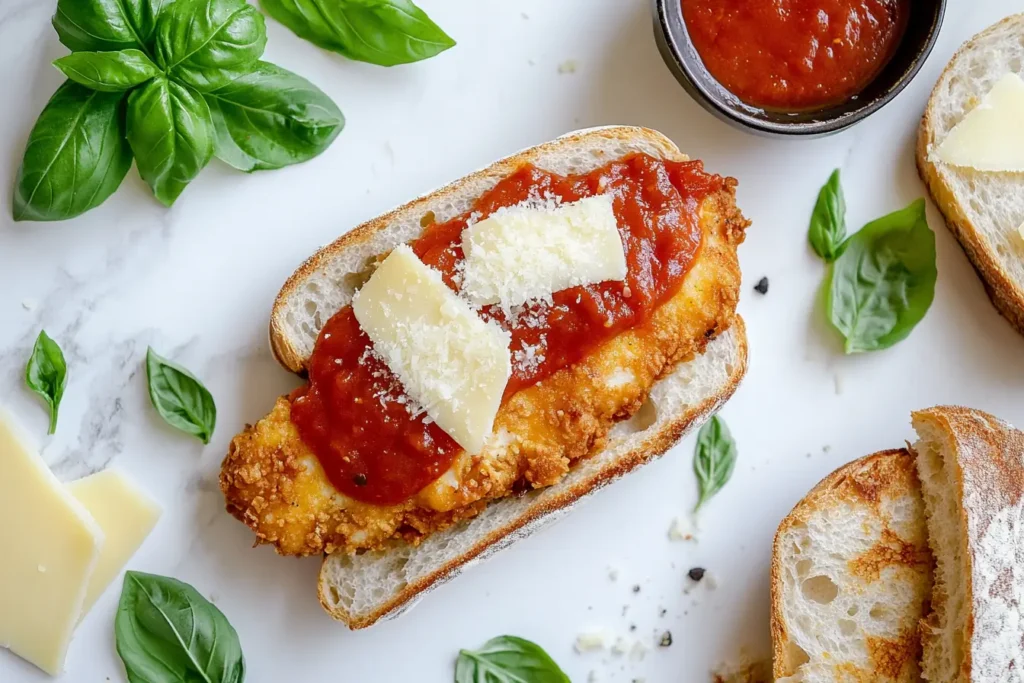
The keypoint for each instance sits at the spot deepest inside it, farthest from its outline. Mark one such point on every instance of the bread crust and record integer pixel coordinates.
(989, 475)
(653, 446)
(1006, 295)
(284, 350)
(890, 472)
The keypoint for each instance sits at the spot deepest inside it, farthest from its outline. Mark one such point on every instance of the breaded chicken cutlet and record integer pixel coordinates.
(275, 483)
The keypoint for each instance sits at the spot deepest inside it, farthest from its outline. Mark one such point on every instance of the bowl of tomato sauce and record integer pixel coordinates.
(795, 67)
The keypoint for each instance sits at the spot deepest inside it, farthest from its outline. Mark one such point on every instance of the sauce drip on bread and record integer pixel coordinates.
(352, 414)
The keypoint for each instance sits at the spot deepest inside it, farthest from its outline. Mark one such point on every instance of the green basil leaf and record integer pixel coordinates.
(166, 632)
(384, 32)
(207, 43)
(883, 282)
(714, 459)
(104, 25)
(76, 155)
(47, 374)
(180, 398)
(271, 118)
(171, 134)
(108, 71)
(508, 659)
(828, 220)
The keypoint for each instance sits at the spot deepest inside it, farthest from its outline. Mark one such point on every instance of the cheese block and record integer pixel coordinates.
(528, 252)
(451, 363)
(50, 547)
(991, 136)
(125, 513)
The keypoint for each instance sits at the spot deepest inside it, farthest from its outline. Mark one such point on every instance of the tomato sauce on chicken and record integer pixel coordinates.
(353, 415)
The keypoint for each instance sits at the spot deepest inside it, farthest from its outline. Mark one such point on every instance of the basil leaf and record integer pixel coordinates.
(47, 374)
(180, 398)
(171, 134)
(828, 220)
(508, 659)
(76, 155)
(271, 118)
(714, 459)
(384, 32)
(167, 632)
(108, 71)
(103, 25)
(207, 43)
(883, 282)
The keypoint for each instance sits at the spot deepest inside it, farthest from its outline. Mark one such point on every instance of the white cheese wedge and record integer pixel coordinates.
(525, 252)
(449, 360)
(125, 513)
(991, 136)
(50, 547)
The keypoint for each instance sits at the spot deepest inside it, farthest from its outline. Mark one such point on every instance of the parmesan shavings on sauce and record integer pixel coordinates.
(449, 361)
(529, 251)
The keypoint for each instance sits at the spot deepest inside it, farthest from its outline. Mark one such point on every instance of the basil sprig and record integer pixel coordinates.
(47, 374)
(881, 280)
(144, 77)
(180, 399)
(383, 32)
(828, 220)
(713, 460)
(508, 659)
(166, 632)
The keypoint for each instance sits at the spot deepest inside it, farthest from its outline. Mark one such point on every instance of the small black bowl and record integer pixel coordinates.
(682, 58)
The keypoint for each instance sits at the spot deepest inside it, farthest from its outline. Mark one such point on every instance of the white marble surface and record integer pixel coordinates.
(196, 282)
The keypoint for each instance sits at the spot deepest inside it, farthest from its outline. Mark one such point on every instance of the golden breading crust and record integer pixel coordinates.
(275, 485)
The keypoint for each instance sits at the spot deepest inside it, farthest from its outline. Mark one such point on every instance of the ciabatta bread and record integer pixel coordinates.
(361, 589)
(982, 209)
(851, 576)
(971, 467)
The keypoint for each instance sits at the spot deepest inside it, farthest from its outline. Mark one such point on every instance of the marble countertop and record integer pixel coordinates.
(196, 282)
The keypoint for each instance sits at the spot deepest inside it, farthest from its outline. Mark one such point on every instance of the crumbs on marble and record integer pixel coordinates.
(683, 529)
(569, 66)
(29, 304)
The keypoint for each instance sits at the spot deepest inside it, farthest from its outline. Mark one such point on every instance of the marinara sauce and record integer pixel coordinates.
(795, 54)
(353, 415)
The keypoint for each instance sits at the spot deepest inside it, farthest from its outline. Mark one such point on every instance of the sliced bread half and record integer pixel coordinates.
(971, 467)
(364, 588)
(983, 209)
(851, 576)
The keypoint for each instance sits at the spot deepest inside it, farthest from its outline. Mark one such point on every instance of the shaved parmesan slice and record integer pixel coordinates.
(449, 361)
(525, 252)
(991, 136)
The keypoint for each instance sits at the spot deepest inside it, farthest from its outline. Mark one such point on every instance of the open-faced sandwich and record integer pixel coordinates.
(484, 356)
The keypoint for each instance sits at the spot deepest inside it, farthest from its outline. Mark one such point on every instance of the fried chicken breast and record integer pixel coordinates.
(274, 484)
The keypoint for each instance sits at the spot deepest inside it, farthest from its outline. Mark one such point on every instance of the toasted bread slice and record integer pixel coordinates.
(972, 474)
(851, 576)
(363, 588)
(982, 209)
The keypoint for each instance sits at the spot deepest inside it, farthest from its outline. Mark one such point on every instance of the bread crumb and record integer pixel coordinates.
(613, 573)
(638, 652)
(621, 646)
(569, 66)
(29, 304)
(682, 529)
(592, 677)
(590, 641)
(838, 383)
(711, 581)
